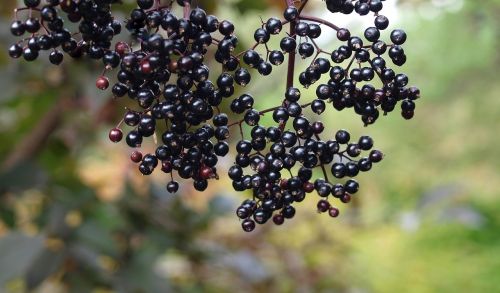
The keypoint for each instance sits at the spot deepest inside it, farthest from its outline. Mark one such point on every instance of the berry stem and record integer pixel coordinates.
(376, 71)
(120, 123)
(241, 131)
(318, 51)
(324, 172)
(264, 112)
(291, 63)
(318, 48)
(42, 24)
(302, 6)
(342, 156)
(322, 165)
(291, 58)
(319, 20)
(349, 66)
(237, 56)
(187, 9)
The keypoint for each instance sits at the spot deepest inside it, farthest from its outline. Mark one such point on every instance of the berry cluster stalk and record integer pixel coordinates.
(291, 58)
(187, 9)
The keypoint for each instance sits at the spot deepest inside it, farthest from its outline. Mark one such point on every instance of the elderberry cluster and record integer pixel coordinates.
(275, 189)
(354, 85)
(168, 78)
(45, 25)
(168, 69)
(362, 7)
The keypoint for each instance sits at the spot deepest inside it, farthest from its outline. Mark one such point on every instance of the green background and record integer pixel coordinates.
(76, 216)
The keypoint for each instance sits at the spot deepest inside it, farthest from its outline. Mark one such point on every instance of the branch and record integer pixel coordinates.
(302, 6)
(33, 142)
(187, 9)
(319, 20)
(291, 58)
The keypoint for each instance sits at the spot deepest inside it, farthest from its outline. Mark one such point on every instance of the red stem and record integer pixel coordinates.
(291, 63)
(187, 9)
(319, 20)
(291, 58)
(302, 7)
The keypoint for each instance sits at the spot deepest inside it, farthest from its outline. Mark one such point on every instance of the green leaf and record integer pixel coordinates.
(45, 264)
(17, 254)
(93, 235)
(139, 276)
(7, 216)
(23, 176)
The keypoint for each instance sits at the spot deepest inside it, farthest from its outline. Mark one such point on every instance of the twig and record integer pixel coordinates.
(187, 9)
(319, 20)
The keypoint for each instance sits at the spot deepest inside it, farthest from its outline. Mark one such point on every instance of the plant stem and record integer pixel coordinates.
(319, 20)
(302, 6)
(264, 112)
(291, 57)
(187, 9)
(322, 165)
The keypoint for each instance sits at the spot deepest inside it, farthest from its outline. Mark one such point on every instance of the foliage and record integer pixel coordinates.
(75, 218)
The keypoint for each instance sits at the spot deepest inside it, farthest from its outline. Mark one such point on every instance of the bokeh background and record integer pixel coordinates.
(76, 216)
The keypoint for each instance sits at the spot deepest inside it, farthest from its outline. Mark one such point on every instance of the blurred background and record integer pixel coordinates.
(76, 216)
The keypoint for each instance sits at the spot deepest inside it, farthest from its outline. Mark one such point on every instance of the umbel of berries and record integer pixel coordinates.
(43, 26)
(167, 69)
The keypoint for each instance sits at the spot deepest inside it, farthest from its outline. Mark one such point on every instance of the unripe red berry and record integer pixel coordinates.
(278, 219)
(136, 157)
(308, 187)
(121, 48)
(115, 135)
(166, 167)
(284, 184)
(146, 68)
(102, 83)
(333, 212)
(346, 198)
(206, 172)
(173, 66)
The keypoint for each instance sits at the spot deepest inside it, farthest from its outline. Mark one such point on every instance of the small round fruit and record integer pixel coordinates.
(323, 205)
(333, 212)
(136, 157)
(278, 219)
(115, 135)
(172, 187)
(248, 225)
(102, 83)
(376, 156)
(342, 136)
